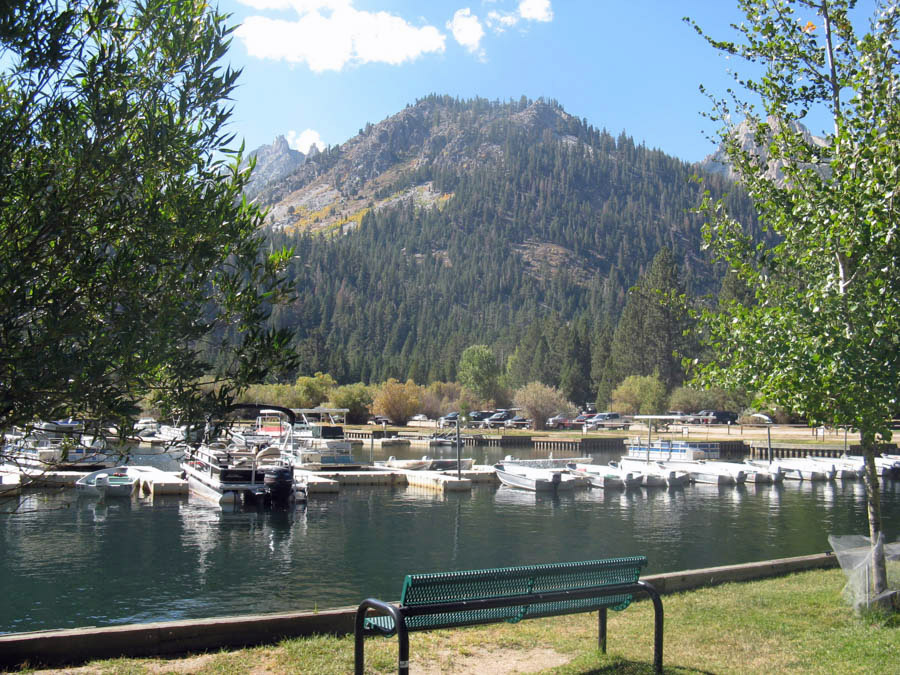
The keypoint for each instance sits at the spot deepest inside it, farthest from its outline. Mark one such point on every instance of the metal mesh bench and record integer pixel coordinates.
(451, 599)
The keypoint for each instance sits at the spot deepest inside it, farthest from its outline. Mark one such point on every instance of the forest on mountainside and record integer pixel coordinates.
(534, 252)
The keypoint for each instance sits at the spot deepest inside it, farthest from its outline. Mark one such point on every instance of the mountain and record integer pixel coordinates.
(453, 223)
(717, 162)
(273, 163)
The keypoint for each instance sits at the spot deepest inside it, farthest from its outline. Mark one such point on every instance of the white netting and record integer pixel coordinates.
(855, 553)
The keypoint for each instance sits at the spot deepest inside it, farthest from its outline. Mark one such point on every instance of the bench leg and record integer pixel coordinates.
(601, 620)
(403, 649)
(359, 637)
(657, 625)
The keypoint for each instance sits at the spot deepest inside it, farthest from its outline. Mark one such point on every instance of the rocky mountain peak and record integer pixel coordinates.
(718, 162)
(273, 163)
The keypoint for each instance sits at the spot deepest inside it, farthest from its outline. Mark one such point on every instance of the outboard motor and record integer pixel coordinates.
(279, 484)
(557, 479)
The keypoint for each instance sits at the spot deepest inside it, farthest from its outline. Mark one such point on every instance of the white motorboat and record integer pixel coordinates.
(68, 426)
(888, 465)
(631, 479)
(449, 464)
(550, 462)
(605, 477)
(405, 464)
(799, 469)
(116, 482)
(146, 427)
(845, 468)
(536, 480)
(655, 474)
(44, 451)
(321, 430)
(763, 473)
(713, 473)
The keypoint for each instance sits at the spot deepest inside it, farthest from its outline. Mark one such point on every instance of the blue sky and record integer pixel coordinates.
(319, 70)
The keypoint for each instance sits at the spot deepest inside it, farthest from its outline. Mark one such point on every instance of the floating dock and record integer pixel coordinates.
(10, 485)
(39, 477)
(153, 482)
(330, 482)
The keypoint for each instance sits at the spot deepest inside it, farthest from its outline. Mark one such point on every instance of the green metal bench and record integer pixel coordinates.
(451, 599)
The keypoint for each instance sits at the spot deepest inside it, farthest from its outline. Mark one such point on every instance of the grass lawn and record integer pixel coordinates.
(793, 624)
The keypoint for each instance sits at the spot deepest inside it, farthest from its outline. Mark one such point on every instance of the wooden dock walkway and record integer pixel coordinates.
(330, 482)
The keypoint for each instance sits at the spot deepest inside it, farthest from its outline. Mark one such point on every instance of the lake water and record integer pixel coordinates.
(68, 561)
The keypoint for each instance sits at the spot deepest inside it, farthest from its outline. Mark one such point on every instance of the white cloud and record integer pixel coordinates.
(499, 22)
(528, 10)
(301, 6)
(467, 30)
(305, 139)
(536, 10)
(329, 34)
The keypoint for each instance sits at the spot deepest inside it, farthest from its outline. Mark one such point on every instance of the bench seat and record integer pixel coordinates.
(464, 598)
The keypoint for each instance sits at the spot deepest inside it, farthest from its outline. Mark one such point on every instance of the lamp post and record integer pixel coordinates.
(458, 452)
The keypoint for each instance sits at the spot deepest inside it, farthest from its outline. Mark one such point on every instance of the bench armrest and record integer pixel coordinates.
(360, 634)
(382, 609)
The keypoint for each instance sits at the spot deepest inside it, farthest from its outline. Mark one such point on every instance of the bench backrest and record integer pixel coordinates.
(449, 587)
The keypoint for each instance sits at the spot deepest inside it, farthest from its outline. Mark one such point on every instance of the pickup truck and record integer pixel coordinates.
(561, 421)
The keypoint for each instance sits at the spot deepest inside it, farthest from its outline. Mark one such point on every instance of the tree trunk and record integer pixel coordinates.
(873, 505)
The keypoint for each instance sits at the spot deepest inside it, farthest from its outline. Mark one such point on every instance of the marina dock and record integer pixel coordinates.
(330, 482)
(150, 482)
(153, 481)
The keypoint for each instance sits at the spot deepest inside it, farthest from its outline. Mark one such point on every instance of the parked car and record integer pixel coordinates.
(498, 419)
(725, 417)
(479, 418)
(561, 421)
(379, 419)
(583, 417)
(518, 422)
(601, 420)
(715, 417)
(419, 418)
(448, 420)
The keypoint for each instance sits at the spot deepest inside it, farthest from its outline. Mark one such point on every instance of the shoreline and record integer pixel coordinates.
(78, 645)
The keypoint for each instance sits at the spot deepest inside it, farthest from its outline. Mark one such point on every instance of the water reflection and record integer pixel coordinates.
(183, 558)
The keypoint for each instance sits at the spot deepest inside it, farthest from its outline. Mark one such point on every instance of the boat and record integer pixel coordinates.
(115, 482)
(844, 467)
(69, 426)
(550, 462)
(449, 464)
(231, 474)
(405, 464)
(243, 469)
(173, 433)
(655, 474)
(711, 472)
(43, 451)
(530, 478)
(320, 430)
(631, 479)
(888, 465)
(445, 440)
(799, 469)
(763, 473)
(671, 450)
(605, 477)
